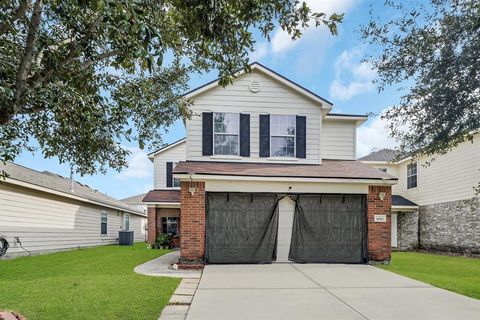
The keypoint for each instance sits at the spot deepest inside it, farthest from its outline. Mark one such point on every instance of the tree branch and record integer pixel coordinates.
(24, 6)
(99, 57)
(27, 59)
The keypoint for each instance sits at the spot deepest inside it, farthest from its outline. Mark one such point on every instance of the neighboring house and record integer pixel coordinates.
(268, 173)
(48, 212)
(435, 205)
(136, 203)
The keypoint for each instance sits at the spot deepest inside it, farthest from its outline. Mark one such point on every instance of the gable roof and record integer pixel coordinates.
(152, 154)
(54, 183)
(382, 155)
(136, 199)
(255, 66)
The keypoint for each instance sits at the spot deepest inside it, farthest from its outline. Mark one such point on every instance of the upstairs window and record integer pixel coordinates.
(282, 135)
(412, 175)
(226, 133)
(103, 223)
(176, 182)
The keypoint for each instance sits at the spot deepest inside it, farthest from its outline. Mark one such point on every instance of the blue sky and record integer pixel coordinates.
(329, 66)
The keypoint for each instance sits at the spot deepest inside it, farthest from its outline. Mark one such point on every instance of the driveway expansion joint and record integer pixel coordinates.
(330, 292)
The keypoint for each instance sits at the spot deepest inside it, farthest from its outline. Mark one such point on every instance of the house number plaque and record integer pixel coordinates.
(380, 218)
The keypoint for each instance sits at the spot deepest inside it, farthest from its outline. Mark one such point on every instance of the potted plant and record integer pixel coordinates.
(163, 241)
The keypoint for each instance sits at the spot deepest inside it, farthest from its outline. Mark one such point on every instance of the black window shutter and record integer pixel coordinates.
(264, 135)
(301, 137)
(169, 174)
(207, 133)
(244, 135)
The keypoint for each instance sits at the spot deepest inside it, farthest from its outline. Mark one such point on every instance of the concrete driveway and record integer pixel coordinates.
(321, 291)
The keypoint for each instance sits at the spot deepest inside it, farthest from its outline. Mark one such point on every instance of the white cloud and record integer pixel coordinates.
(260, 51)
(373, 136)
(282, 41)
(139, 166)
(360, 75)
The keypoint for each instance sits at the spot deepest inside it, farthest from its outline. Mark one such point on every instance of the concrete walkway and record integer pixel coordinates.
(321, 291)
(162, 267)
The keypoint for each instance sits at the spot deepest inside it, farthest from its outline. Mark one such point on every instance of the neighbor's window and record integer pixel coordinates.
(226, 133)
(282, 136)
(170, 225)
(176, 182)
(103, 223)
(412, 175)
(126, 221)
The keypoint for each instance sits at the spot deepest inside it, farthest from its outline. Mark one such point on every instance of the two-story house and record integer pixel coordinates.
(268, 173)
(434, 205)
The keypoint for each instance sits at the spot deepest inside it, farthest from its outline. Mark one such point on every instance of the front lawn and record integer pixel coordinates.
(458, 274)
(97, 283)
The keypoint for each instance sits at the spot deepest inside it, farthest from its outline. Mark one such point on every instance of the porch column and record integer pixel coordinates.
(379, 224)
(192, 225)
(152, 224)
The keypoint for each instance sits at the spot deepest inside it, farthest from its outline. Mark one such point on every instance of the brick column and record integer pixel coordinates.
(152, 224)
(379, 233)
(192, 224)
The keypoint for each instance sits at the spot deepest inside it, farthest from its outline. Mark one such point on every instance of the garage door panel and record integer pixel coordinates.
(241, 227)
(329, 228)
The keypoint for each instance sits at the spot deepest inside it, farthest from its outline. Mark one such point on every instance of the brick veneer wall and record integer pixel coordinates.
(152, 224)
(192, 226)
(379, 233)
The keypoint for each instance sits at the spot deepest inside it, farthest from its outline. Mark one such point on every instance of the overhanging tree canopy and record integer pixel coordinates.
(435, 47)
(76, 76)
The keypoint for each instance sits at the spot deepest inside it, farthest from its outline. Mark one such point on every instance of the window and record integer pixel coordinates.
(412, 175)
(170, 225)
(103, 223)
(225, 133)
(126, 221)
(282, 136)
(176, 182)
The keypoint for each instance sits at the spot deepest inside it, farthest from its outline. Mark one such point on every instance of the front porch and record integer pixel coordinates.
(163, 215)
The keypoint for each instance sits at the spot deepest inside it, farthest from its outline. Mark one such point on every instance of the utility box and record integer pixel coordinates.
(125, 238)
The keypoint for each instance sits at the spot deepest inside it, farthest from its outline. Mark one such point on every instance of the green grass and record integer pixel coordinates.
(458, 274)
(97, 283)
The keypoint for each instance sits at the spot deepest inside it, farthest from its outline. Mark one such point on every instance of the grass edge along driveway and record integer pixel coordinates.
(94, 283)
(454, 273)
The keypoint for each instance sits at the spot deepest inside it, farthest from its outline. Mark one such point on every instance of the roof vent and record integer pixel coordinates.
(254, 86)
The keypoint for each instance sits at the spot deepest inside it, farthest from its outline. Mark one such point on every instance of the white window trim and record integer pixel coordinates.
(125, 215)
(102, 213)
(285, 136)
(411, 175)
(226, 134)
(174, 164)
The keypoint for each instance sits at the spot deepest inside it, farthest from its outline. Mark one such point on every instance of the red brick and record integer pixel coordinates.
(379, 233)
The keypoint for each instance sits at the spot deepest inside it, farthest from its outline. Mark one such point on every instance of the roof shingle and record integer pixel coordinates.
(385, 155)
(170, 196)
(340, 169)
(56, 182)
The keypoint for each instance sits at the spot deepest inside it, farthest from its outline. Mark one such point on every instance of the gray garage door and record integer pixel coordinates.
(241, 227)
(329, 228)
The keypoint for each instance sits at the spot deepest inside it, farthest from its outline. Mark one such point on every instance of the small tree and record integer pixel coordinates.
(82, 76)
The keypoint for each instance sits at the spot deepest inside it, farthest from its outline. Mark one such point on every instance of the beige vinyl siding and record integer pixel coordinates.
(174, 154)
(273, 98)
(49, 222)
(450, 177)
(338, 139)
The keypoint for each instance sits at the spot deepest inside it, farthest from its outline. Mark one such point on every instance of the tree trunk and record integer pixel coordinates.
(27, 59)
